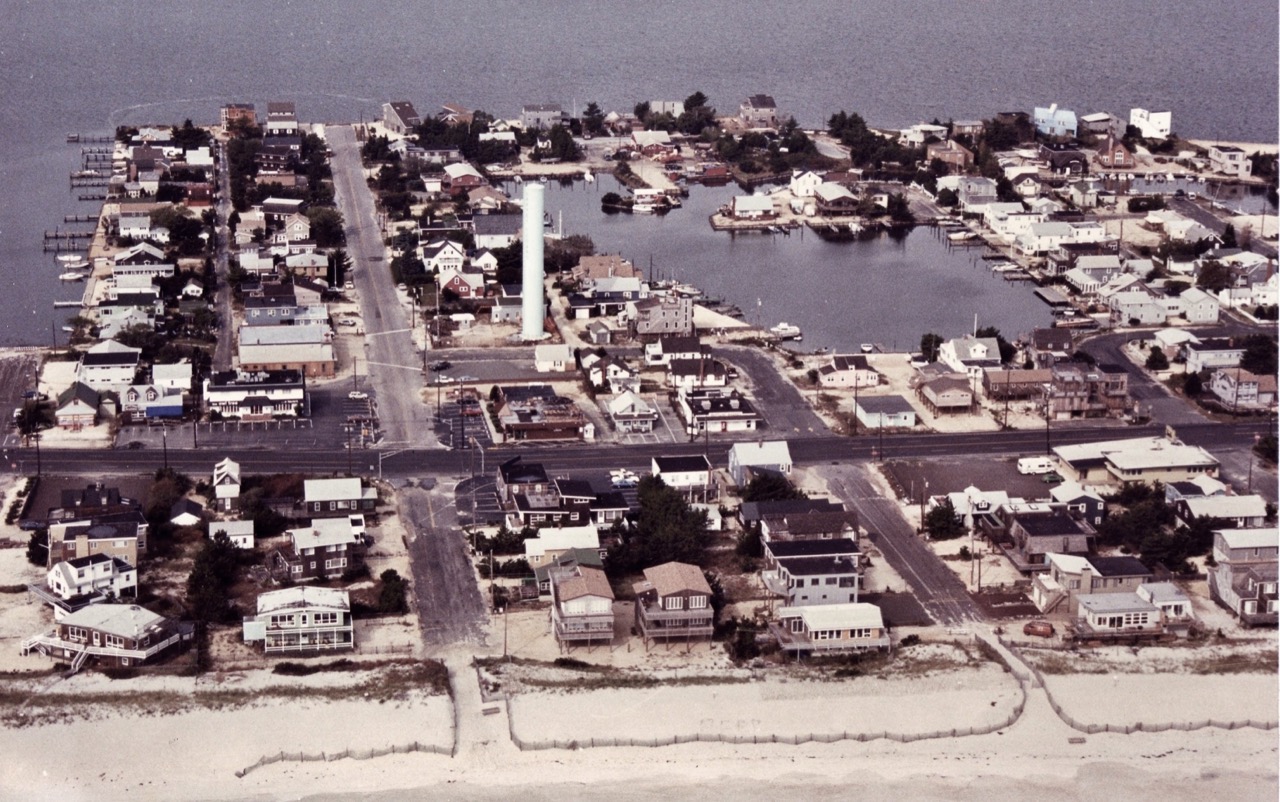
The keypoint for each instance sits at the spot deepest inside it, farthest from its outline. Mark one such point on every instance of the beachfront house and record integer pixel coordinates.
(851, 626)
(673, 602)
(302, 620)
(1116, 615)
(1229, 160)
(113, 635)
(1070, 576)
(1244, 580)
(581, 605)
(759, 111)
(86, 580)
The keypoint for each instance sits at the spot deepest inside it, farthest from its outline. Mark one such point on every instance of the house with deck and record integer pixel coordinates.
(302, 620)
(673, 602)
(825, 628)
(1070, 576)
(1244, 580)
(1033, 531)
(581, 605)
(112, 635)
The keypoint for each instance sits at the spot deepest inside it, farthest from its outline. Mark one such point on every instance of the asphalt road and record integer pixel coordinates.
(776, 397)
(935, 585)
(450, 607)
(392, 362)
(1194, 211)
(222, 351)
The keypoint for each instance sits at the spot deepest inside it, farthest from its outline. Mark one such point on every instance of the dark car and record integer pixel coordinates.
(442, 364)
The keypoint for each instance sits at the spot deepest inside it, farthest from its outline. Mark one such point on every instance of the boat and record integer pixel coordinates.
(71, 276)
(687, 290)
(70, 257)
(962, 236)
(69, 328)
(866, 348)
(78, 263)
(1004, 267)
(786, 331)
(587, 176)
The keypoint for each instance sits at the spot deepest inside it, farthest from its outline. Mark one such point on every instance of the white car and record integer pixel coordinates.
(347, 322)
(357, 395)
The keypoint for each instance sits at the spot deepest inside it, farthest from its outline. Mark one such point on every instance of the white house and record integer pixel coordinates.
(688, 474)
(240, 533)
(302, 619)
(631, 413)
(1053, 121)
(1199, 306)
(552, 358)
(848, 370)
(1152, 124)
(752, 207)
(852, 626)
(92, 575)
(803, 183)
(771, 455)
(551, 543)
(885, 412)
(109, 365)
(970, 355)
(1230, 160)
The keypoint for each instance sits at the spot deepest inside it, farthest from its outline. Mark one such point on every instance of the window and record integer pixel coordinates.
(324, 619)
(697, 602)
(297, 569)
(831, 580)
(673, 603)
(333, 505)
(114, 642)
(813, 581)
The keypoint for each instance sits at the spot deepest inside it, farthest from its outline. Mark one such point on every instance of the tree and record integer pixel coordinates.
(769, 486)
(394, 596)
(1214, 276)
(208, 585)
(929, 345)
(695, 101)
(1007, 349)
(948, 197)
(1156, 360)
(1259, 355)
(1229, 236)
(1193, 386)
(641, 111)
(326, 226)
(592, 118)
(1267, 448)
(942, 523)
(666, 529)
(38, 548)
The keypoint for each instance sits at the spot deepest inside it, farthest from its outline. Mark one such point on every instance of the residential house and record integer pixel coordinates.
(553, 358)
(95, 499)
(1239, 389)
(1071, 576)
(260, 395)
(150, 401)
(951, 153)
(834, 200)
(581, 605)
(830, 523)
(1140, 459)
(690, 475)
(970, 128)
(804, 182)
(669, 348)
(1199, 306)
(611, 265)
(541, 116)
(118, 534)
(400, 117)
(745, 458)
(1176, 612)
(1050, 345)
(673, 602)
(885, 412)
(1245, 577)
(848, 370)
(282, 119)
(233, 113)
(946, 394)
(495, 230)
(693, 374)
(551, 543)
(1213, 352)
(814, 579)
(714, 410)
(302, 620)
(89, 580)
(753, 513)
(108, 365)
(1151, 124)
(142, 259)
(1002, 385)
(240, 533)
(1080, 501)
(186, 512)
(1100, 122)
(1235, 512)
(611, 374)
(826, 628)
(114, 635)
(566, 503)
(567, 560)
(652, 143)
(970, 355)
(1116, 615)
(1229, 160)
(1054, 121)
(919, 134)
(1032, 531)
(1043, 238)
(516, 477)
(1200, 487)
(630, 413)
(466, 282)
(443, 255)
(752, 207)
(1112, 153)
(338, 497)
(326, 548)
(975, 193)
(1078, 390)
(759, 111)
(77, 407)
(1137, 308)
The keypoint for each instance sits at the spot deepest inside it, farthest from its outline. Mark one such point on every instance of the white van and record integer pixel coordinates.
(1036, 465)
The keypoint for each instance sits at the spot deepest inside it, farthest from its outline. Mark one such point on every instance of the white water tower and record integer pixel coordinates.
(531, 306)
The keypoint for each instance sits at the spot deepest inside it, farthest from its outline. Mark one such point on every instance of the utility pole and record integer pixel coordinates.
(1048, 451)
(164, 440)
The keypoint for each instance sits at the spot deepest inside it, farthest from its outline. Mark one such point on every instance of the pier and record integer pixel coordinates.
(91, 139)
(80, 218)
(89, 180)
(59, 234)
(93, 196)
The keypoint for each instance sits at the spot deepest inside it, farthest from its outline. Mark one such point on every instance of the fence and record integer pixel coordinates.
(354, 754)
(1129, 729)
(793, 740)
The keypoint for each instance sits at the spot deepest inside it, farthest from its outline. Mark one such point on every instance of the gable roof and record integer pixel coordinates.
(586, 581)
(671, 578)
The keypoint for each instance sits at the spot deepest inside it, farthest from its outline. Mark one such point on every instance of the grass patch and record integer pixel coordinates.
(391, 681)
(1255, 663)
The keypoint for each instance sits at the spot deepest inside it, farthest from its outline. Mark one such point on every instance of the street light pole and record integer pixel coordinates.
(1257, 438)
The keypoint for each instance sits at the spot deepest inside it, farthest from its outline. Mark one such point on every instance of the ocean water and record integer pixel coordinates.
(81, 67)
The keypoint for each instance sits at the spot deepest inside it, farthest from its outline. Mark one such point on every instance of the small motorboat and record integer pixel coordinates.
(71, 276)
(786, 331)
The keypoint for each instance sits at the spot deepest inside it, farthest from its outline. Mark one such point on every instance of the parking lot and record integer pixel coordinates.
(911, 477)
(460, 428)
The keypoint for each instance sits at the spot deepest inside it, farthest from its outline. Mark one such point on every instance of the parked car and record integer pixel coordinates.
(442, 364)
(347, 322)
(1052, 478)
(1041, 629)
(357, 395)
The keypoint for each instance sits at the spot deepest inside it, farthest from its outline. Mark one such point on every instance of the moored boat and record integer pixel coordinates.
(786, 331)
(71, 276)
